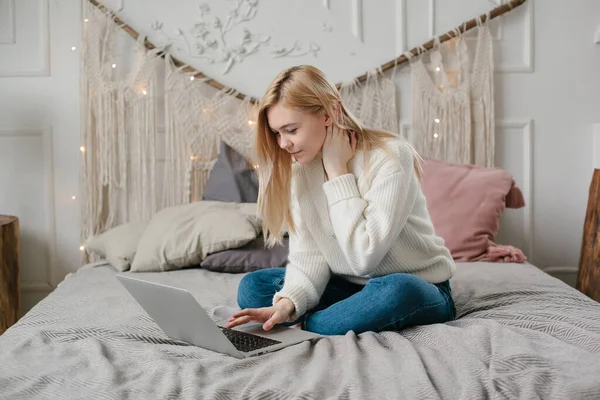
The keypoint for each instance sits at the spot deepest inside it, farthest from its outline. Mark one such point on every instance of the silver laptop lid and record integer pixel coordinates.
(179, 315)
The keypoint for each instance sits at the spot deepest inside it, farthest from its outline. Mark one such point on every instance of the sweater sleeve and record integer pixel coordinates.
(307, 273)
(367, 226)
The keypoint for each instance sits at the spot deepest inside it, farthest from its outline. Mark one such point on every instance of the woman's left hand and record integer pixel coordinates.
(269, 316)
(338, 149)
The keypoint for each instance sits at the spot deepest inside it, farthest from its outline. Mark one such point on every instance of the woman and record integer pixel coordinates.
(363, 253)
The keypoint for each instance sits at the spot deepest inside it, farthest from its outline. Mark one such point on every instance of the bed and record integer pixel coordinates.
(519, 333)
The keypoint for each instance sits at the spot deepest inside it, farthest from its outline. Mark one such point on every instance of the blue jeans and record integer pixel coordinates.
(389, 302)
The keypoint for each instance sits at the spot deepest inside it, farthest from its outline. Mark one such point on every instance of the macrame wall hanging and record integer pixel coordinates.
(151, 135)
(453, 108)
(130, 168)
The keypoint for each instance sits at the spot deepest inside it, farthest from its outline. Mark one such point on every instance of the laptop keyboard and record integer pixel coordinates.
(246, 342)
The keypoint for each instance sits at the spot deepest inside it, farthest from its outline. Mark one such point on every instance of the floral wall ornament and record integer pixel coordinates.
(297, 50)
(210, 38)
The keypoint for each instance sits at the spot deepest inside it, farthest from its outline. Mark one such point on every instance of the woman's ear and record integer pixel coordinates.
(328, 119)
(336, 109)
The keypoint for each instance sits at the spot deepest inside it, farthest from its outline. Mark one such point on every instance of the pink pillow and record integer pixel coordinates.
(465, 203)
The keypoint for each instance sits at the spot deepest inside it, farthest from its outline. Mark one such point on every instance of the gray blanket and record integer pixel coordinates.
(520, 334)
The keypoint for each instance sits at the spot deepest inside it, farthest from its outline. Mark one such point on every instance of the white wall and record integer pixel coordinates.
(39, 136)
(547, 101)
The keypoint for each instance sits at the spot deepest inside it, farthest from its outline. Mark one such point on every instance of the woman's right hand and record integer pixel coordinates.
(269, 316)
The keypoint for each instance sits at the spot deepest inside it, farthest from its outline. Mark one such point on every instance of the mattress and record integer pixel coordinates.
(519, 333)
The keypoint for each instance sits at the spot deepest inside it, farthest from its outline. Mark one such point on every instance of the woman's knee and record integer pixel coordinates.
(406, 289)
(399, 282)
(419, 301)
(258, 287)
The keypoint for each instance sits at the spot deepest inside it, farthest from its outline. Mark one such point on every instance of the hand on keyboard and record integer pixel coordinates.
(270, 316)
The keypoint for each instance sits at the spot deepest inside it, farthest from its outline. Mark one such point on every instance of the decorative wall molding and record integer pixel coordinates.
(44, 38)
(7, 22)
(431, 17)
(45, 134)
(406, 131)
(400, 27)
(357, 19)
(525, 128)
(596, 145)
(44, 68)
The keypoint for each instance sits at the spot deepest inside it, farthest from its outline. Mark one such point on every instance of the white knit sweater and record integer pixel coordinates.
(360, 229)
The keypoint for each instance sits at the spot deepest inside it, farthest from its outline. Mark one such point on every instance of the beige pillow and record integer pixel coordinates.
(117, 245)
(182, 236)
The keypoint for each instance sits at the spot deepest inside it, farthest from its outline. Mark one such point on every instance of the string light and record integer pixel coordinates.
(437, 120)
(73, 197)
(255, 166)
(193, 158)
(192, 78)
(85, 20)
(437, 69)
(114, 65)
(82, 149)
(144, 92)
(250, 122)
(73, 48)
(435, 135)
(81, 248)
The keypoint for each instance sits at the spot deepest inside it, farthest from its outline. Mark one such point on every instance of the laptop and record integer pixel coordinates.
(181, 317)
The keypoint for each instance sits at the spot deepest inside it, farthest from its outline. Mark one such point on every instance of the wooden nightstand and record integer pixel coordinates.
(9, 271)
(588, 276)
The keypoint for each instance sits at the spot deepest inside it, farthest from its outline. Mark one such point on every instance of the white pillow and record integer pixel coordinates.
(182, 236)
(117, 245)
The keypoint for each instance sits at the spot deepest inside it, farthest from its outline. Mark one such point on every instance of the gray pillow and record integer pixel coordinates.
(232, 178)
(247, 258)
(182, 236)
(118, 245)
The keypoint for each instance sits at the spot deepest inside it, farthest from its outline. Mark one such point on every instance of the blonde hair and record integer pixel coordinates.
(307, 89)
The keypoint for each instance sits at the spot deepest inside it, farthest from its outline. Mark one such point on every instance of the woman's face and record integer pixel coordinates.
(299, 133)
